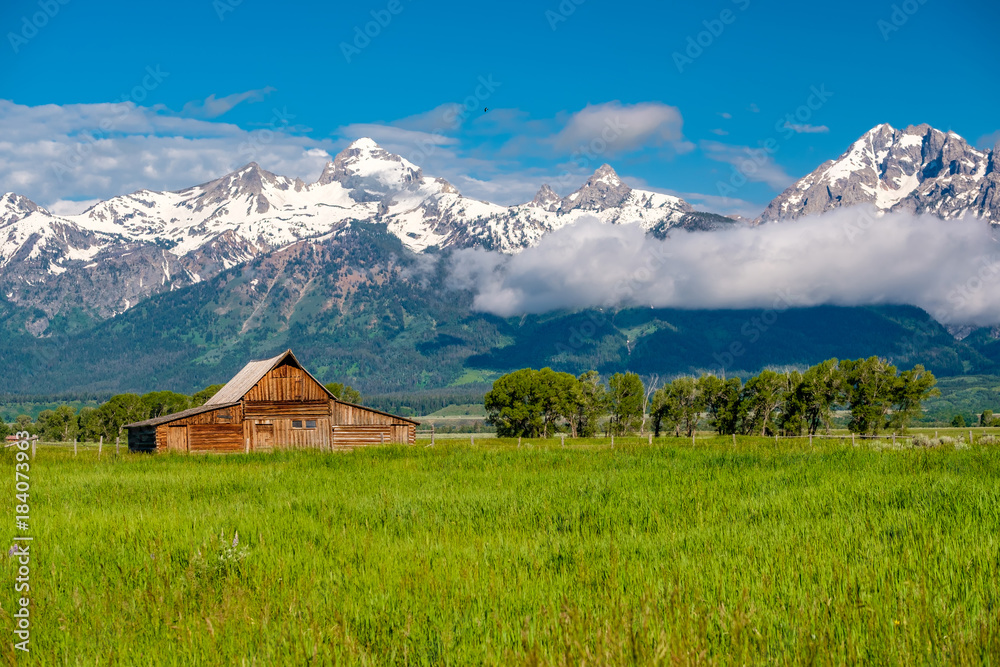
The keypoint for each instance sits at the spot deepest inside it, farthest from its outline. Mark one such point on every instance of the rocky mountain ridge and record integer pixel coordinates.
(917, 169)
(127, 248)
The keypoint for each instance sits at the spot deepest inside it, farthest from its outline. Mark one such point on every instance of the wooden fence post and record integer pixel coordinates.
(810, 439)
(34, 441)
(562, 439)
(432, 435)
(893, 439)
(100, 446)
(970, 437)
(472, 439)
(734, 439)
(519, 442)
(117, 446)
(612, 441)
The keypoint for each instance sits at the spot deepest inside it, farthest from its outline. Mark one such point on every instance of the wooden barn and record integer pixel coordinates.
(271, 404)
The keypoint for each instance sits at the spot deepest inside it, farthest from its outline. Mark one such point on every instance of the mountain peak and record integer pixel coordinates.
(601, 191)
(364, 144)
(370, 171)
(546, 199)
(919, 169)
(14, 199)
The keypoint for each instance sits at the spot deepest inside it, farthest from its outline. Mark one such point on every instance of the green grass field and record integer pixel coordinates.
(674, 554)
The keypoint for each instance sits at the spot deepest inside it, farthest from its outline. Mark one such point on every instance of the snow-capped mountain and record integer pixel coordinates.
(129, 247)
(918, 169)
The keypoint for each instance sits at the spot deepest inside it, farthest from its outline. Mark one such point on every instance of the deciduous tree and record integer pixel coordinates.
(625, 397)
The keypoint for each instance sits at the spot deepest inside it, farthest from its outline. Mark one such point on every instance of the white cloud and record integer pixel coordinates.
(846, 257)
(212, 107)
(70, 207)
(754, 163)
(807, 129)
(720, 132)
(52, 153)
(614, 128)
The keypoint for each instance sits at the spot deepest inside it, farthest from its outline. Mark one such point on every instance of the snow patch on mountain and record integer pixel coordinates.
(918, 169)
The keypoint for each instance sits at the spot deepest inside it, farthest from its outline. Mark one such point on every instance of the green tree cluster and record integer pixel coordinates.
(344, 392)
(536, 403)
(877, 396)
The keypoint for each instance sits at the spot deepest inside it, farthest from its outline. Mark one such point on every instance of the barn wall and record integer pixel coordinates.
(286, 383)
(215, 437)
(286, 437)
(213, 417)
(273, 409)
(344, 414)
(355, 426)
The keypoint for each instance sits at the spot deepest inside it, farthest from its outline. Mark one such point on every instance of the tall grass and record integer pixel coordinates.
(684, 554)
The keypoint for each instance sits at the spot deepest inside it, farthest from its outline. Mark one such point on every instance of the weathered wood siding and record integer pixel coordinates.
(280, 434)
(351, 415)
(264, 420)
(215, 437)
(270, 409)
(380, 434)
(285, 383)
(214, 417)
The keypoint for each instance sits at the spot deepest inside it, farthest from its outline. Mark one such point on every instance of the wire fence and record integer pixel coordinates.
(429, 438)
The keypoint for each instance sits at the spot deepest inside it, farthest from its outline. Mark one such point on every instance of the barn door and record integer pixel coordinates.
(177, 439)
(263, 437)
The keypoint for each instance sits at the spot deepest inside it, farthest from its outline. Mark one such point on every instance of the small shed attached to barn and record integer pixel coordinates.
(271, 404)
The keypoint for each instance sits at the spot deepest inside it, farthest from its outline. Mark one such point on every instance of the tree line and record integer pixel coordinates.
(876, 395)
(66, 424)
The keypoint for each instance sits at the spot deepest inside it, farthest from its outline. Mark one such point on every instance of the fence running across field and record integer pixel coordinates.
(431, 437)
(894, 438)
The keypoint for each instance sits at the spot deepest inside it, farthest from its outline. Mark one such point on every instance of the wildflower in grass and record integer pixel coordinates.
(13, 550)
(236, 539)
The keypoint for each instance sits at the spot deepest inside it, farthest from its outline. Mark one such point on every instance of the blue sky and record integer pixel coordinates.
(211, 85)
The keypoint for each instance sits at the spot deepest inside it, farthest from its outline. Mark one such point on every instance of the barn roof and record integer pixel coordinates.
(252, 373)
(234, 391)
(190, 412)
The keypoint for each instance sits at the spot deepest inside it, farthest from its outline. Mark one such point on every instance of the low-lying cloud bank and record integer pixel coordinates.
(951, 269)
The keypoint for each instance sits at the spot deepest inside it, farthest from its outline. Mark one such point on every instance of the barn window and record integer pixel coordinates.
(310, 423)
(225, 417)
(296, 423)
